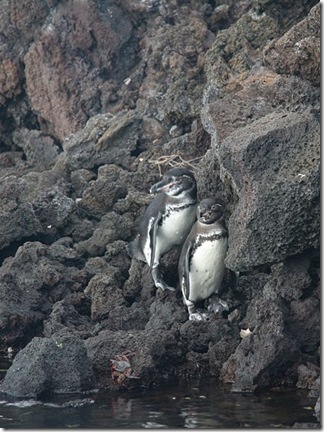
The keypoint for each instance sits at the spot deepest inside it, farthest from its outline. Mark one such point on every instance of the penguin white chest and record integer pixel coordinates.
(207, 269)
(174, 229)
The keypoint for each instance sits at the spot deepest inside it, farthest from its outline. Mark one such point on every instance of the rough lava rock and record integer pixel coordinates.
(274, 179)
(31, 283)
(79, 50)
(47, 366)
(99, 99)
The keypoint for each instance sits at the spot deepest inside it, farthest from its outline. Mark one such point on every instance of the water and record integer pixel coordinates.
(195, 404)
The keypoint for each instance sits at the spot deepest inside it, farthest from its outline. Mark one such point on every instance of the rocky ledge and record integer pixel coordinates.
(99, 98)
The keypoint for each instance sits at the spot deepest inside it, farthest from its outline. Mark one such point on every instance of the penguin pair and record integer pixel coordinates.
(169, 220)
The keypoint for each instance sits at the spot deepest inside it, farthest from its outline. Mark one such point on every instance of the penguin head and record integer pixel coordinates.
(176, 182)
(210, 210)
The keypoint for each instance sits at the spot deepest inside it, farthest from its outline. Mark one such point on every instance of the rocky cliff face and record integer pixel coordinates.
(97, 99)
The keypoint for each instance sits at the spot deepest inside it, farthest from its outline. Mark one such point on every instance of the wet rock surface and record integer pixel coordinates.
(98, 99)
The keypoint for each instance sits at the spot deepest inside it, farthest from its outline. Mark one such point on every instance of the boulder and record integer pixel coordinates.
(273, 340)
(153, 359)
(105, 139)
(31, 282)
(32, 205)
(49, 365)
(274, 165)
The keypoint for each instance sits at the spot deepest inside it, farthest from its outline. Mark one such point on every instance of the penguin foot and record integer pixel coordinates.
(198, 316)
(159, 282)
(217, 305)
(164, 286)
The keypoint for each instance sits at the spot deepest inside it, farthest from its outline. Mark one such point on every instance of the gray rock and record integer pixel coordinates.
(164, 314)
(49, 365)
(30, 283)
(308, 376)
(35, 204)
(15, 207)
(297, 52)
(68, 65)
(266, 348)
(40, 150)
(105, 139)
(153, 358)
(274, 165)
(105, 294)
(70, 316)
(317, 409)
(111, 227)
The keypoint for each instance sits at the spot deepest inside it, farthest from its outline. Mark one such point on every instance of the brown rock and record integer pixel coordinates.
(64, 66)
(298, 51)
(9, 79)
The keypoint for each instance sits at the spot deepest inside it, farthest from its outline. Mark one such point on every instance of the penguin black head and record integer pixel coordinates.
(210, 210)
(175, 182)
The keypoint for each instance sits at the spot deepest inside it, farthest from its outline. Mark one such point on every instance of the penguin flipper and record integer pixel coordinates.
(134, 250)
(186, 271)
(153, 233)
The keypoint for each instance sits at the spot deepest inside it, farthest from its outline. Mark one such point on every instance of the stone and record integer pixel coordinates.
(277, 176)
(88, 94)
(70, 60)
(153, 357)
(101, 195)
(31, 282)
(40, 150)
(9, 79)
(49, 366)
(297, 51)
(105, 139)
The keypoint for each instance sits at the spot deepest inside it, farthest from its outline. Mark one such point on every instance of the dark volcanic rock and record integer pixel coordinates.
(277, 340)
(14, 206)
(70, 316)
(37, 203)
(298, 51)
(40, 150)
(154, 358)
(73, 63)
(47, 366)
(274, 165)
(105, 139)
(31, 282)
(100, 98)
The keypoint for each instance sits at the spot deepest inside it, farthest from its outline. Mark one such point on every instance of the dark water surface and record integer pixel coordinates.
(195, 404)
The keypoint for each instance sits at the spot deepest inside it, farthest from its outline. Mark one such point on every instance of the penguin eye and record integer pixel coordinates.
(214, 207)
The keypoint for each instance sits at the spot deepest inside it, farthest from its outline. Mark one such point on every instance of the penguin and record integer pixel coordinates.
(167, 220)
(201, 264)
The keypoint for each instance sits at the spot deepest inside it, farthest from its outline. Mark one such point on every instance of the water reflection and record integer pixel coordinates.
(122, 408)
(195, 405)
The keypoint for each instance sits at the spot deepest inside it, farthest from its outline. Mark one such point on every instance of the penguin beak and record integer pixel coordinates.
(162, 186)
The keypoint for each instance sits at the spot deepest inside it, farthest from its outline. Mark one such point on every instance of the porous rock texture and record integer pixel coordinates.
(99, 98)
